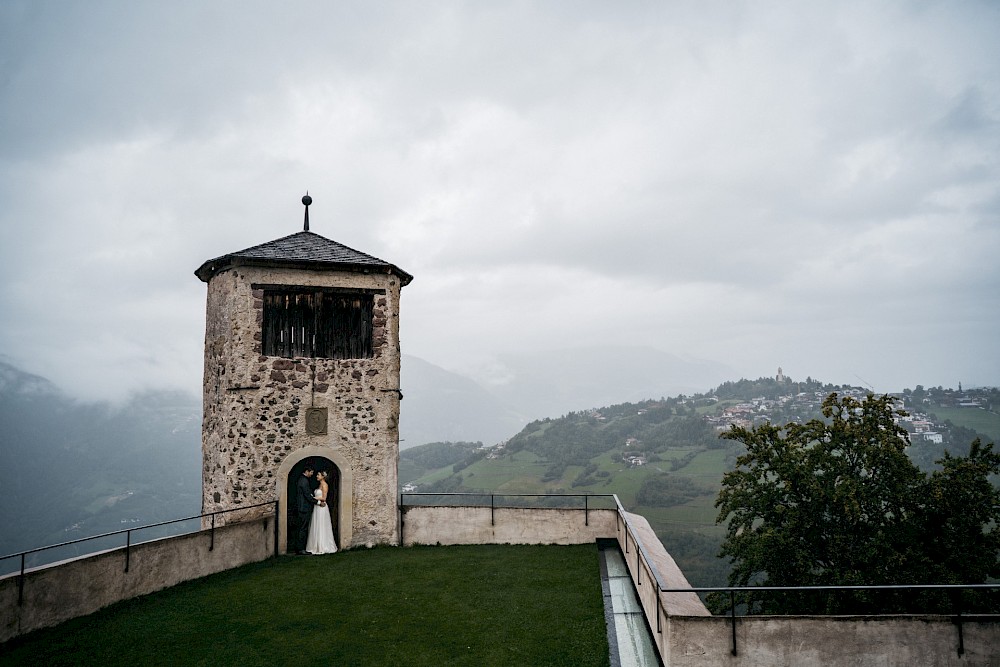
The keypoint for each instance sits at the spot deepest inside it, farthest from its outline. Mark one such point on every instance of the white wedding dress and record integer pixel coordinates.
(320, 530)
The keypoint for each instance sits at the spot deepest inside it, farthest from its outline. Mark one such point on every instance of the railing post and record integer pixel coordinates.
(732, 618)
(958, 622)
(491, 510)
(211, 544)
(586, 510)
(20, 584)
(128, 548)
(638, 565)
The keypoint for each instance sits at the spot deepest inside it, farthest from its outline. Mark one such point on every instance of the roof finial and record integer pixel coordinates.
(307, 200)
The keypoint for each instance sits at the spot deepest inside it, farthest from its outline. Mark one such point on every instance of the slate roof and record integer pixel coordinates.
(304, 250)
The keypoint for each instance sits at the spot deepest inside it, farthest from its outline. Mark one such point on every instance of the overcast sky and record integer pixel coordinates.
(814, 186)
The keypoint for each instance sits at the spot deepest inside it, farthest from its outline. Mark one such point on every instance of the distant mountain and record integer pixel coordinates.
(71, 469)
(15, 382)
(554, 382)
(439, 406)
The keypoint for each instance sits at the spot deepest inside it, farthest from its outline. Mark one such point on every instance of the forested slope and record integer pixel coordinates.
(663, 458)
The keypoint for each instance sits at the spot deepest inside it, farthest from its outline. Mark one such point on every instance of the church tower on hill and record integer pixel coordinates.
(302, 369)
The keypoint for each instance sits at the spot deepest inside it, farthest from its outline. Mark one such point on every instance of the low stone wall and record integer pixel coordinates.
(61, 591)
(504, 525)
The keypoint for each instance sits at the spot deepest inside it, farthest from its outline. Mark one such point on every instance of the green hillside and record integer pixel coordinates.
(664, 459)
(660, 457)
(982, 421)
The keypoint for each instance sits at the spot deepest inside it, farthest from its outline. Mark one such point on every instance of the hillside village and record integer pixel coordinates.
(918, 421)
(783, 401)
(665, 458)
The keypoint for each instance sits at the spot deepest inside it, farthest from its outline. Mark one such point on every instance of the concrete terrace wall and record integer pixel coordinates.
(654, 603)
(474, 525)
(61, 591)
(830, 641)
(686, 635)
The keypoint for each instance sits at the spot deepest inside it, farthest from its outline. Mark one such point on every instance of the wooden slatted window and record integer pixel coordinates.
(304, 322)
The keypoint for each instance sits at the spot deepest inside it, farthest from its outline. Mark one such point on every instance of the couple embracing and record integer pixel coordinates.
(315, 531)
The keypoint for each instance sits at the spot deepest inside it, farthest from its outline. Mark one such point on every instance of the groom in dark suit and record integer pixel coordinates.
(304, 502)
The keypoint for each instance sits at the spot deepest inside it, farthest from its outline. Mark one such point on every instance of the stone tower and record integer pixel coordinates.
(302, 367)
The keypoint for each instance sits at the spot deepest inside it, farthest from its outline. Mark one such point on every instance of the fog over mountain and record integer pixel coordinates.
(71, 468)
(439, 406)
(550, 383)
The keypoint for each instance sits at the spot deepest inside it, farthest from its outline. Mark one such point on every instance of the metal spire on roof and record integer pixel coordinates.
(306, 200)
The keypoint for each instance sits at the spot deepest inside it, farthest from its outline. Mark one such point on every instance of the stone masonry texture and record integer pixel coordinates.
(254, 405)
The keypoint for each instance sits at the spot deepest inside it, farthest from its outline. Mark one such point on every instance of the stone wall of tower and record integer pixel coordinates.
(254, 405)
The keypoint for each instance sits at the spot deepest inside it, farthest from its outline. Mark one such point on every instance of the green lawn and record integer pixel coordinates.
(434, 606)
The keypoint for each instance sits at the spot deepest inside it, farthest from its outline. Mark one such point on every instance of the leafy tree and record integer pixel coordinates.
(837, 501)
(961, 502)
(472, 457)
(586, 477)
(681, 432)
(451, 484)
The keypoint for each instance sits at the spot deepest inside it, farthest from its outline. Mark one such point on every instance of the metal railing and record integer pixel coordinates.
(127, 532)
(735, 590)
(640, 550)
(551, 501)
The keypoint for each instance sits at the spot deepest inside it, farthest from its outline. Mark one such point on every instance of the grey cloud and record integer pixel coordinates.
(746, 183)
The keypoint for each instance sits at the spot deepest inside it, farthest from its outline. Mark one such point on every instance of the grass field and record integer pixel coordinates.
(987, 423)
(433, 606)
(517, 474)
(697, 516)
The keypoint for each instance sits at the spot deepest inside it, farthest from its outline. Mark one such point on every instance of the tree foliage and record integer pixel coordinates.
(440, 454)
(837, 501)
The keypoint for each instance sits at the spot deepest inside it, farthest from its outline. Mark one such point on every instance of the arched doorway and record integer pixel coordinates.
(317, 463)
(339, 502)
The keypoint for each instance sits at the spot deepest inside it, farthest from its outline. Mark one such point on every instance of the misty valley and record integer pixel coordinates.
(73, 469)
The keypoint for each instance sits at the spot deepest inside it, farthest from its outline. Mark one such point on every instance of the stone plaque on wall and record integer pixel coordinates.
(316, 421)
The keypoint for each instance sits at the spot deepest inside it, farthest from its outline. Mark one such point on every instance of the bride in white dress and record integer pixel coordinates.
(320, 526)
